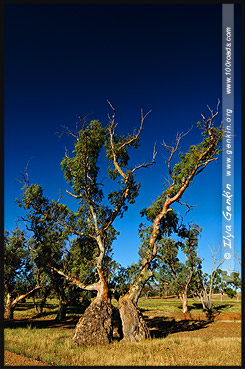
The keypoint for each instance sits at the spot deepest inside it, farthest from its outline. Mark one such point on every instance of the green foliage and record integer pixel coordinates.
(121, 145)
(123, 278)
(81, 171)
(190, 164)
(79, 244)
(230, 292)
(78, 262)
(170, 270)
(195, 158)
(226, 283)
(18, 268)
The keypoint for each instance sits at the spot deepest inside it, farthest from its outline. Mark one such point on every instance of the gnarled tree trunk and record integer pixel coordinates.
(95, 326)
(133, 324)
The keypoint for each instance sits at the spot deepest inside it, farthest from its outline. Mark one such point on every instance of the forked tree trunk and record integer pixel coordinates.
(133, 324)
(11, 304)
(205, 300)
(95, 326)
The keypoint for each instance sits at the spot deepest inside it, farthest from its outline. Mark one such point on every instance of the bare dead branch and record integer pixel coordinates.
(68, 132)
(214, 253)
(25, 177)
(173, 149)
(114, 110)
(238, 259)
(136, 136)
(188, 206)
(146, 165)
(208, 122)
(26, 173)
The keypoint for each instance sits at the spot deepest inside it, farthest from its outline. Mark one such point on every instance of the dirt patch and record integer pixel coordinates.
(11, 359)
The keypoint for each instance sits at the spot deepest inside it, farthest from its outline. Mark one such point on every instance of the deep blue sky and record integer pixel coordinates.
(62, 61)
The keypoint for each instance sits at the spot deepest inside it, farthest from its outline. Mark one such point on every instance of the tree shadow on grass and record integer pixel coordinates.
(162, 327)
(29, 305)
(210, 314)
(221, 307)
(70, 323)
(196, 306)
(216, 310)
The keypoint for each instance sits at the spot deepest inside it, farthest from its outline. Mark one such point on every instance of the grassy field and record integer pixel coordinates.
(198, 343)
(55, 347)
(172, 305)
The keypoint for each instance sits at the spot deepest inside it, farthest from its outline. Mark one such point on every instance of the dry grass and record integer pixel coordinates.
(204, 347)
(56, 346)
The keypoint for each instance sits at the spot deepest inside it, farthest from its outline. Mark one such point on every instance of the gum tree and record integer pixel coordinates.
(179, 274)
(161, 213)
(95, 215)
(20, 278)
(205, 283)
(47, 246)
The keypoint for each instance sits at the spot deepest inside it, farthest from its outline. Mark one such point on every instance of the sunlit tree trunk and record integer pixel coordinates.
(183, 297)
(95, 326)
(9, 308)
(205, 153)
(11, 304)
(133, 324)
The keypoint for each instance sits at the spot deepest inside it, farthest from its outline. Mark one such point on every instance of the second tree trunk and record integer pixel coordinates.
(133, 324)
